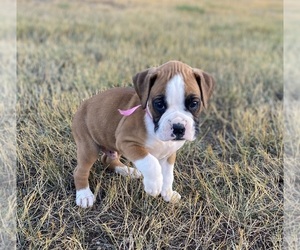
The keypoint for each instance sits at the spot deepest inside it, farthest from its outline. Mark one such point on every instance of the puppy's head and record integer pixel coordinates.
(174, 95)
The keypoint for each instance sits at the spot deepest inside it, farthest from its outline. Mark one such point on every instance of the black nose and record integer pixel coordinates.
(178, 130)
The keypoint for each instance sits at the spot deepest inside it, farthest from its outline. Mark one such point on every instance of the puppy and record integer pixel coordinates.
(146, 124)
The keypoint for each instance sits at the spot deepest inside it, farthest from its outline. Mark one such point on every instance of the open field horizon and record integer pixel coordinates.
(230, 178)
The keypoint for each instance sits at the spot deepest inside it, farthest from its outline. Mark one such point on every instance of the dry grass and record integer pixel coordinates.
(231, 178)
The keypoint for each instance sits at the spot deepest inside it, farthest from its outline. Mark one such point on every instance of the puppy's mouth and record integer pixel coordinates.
(178, 139)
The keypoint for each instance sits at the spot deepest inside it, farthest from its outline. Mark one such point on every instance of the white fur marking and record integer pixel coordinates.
(175, 93)
(128, 171)
(151, 170)
(167, 191)
(84, 197)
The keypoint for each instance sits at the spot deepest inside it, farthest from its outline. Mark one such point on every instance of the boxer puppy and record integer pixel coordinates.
(146, 124)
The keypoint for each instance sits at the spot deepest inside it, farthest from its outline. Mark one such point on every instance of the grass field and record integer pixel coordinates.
(230, 179)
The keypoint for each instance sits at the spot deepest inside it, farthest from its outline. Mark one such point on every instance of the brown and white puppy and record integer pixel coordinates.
(146, 124)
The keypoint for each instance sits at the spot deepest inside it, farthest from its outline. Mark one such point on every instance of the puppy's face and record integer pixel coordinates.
(175, 109)
(173, 95)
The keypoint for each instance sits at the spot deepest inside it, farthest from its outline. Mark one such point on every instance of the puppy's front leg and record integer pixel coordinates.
(153, 179)
(147, 164)
(167, 165)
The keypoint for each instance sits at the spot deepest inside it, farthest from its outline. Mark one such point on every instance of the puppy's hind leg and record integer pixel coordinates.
(87, 154)
(111, 159)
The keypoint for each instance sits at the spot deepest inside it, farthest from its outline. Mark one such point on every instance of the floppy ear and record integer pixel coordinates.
(143, 82)
(206, 84)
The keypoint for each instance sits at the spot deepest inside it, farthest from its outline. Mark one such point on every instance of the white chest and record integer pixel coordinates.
(162, 149)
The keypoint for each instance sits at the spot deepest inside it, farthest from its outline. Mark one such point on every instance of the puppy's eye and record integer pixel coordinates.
(194, 105)
(160, 105)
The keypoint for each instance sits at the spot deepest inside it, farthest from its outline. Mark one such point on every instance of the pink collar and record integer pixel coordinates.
(129, 112)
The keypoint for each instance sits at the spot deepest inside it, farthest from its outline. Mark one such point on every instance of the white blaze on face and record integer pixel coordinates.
(176, 122)
(175, 93)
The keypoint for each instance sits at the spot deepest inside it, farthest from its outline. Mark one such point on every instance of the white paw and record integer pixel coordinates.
(153, 187)
(171, 196)
(85, 198)
(128, 171)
